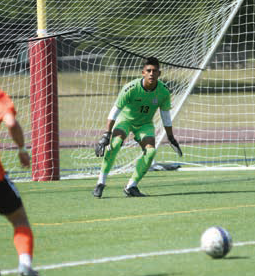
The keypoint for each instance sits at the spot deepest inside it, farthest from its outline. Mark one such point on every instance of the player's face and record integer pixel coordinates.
(150, 74)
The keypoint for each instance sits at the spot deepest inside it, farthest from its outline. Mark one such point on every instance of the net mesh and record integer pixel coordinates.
(100, 46)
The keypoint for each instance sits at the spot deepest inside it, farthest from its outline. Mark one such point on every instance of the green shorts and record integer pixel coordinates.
(146, 130)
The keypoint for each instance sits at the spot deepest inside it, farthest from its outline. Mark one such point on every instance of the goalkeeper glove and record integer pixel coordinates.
(103, 142)
(175, 146)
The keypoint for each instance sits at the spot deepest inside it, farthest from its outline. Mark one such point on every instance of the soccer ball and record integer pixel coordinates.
(216, 242)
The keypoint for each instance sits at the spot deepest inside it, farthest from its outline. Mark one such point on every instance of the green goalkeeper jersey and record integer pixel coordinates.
(139, 105)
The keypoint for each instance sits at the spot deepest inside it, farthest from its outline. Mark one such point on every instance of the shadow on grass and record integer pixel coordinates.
(179, 194)
(164, 274)
(237, 258)
(201, 182)
(202, 193)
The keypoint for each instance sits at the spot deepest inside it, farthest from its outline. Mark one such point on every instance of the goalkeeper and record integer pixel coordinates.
(133, 111)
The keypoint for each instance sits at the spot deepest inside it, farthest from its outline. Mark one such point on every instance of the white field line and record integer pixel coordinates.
(121, 258)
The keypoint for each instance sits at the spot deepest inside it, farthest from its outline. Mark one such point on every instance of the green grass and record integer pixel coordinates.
(70, 225)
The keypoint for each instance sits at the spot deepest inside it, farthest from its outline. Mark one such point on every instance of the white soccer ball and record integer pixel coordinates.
(216, 242)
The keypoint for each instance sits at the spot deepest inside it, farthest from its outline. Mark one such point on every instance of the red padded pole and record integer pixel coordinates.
(44, 110)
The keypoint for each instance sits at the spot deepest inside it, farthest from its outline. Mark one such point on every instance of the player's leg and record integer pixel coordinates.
(111, 152)
(147, 143)
(12, 208)
(120, 133)
(23, 238)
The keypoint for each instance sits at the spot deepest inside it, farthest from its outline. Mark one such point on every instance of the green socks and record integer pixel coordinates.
(143, 164)
(110, 154)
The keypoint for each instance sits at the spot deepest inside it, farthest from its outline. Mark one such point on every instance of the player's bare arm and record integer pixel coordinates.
(110, 124)
(16, 133)
(173, 143)
(167, 122)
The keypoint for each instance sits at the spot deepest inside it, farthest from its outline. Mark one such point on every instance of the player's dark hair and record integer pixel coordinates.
(151, 61)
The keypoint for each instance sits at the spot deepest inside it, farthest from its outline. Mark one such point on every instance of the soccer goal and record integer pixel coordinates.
(206, 51)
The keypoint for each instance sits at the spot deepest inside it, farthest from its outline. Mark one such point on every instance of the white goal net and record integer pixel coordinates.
(206, 50)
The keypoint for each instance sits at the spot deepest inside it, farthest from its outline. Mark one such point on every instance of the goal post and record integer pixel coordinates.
(203, 65)
(215, 123)
(44, 102)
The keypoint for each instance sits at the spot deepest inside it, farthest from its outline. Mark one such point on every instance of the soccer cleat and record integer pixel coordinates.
(133, 192)
(98, 191)
(27, 271)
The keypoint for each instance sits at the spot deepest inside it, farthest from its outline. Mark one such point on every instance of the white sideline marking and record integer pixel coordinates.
(120, 258)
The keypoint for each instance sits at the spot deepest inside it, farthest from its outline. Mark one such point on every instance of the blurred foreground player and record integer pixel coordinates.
(10, 202)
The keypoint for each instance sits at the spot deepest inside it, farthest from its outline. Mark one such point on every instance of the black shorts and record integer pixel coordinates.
(10, 199)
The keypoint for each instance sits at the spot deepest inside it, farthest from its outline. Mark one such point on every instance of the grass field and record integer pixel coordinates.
(158, 235)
